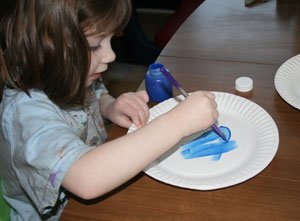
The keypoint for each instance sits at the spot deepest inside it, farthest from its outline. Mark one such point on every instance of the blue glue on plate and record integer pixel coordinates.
(209, 144)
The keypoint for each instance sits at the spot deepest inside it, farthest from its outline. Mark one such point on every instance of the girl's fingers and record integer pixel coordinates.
(142, 99)
(143, 94)
(138, 111)
(134, 106)
(124, 121)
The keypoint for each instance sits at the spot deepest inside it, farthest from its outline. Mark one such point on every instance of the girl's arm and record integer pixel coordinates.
(113, 163)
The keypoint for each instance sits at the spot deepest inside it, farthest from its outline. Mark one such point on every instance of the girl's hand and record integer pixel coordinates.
(129, 108)
(197, 112)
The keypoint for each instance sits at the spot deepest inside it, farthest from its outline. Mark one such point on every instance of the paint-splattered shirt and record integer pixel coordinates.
(39, 143)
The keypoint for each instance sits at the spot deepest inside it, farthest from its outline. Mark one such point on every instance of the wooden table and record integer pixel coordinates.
(220, 41)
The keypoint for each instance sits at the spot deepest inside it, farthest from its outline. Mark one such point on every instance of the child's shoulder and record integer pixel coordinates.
(21, 96)
(16, 100)
(18, 108)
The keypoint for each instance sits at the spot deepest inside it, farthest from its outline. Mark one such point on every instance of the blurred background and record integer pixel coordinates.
(152, 24)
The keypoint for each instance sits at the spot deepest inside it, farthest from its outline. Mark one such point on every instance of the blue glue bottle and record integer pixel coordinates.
(158, 87)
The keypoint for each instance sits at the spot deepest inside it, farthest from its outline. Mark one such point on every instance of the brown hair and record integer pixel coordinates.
(43, 44)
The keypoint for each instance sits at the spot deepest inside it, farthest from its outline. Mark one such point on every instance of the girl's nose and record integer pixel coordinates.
(108, 55)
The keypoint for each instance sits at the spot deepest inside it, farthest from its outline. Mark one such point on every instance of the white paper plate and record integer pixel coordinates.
(287, 81)
(254, 131)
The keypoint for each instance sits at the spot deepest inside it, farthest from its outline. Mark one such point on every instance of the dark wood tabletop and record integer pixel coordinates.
(219, 42)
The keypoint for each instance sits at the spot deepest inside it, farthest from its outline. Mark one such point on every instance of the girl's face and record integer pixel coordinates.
(101, 55)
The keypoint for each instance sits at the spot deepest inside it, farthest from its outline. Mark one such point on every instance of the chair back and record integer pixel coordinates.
(4, 208)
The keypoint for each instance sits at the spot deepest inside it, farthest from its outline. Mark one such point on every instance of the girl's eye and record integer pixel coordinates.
(95, 48)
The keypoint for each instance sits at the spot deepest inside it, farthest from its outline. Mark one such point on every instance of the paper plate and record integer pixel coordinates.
(287, 81)
(252, 128)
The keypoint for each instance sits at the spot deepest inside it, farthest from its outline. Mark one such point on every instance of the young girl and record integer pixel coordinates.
(52, 134)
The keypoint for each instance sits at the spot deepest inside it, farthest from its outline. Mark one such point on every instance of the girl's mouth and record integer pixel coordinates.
(96, 76)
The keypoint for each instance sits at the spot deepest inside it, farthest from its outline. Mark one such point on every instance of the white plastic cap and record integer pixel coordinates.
(244, 84)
